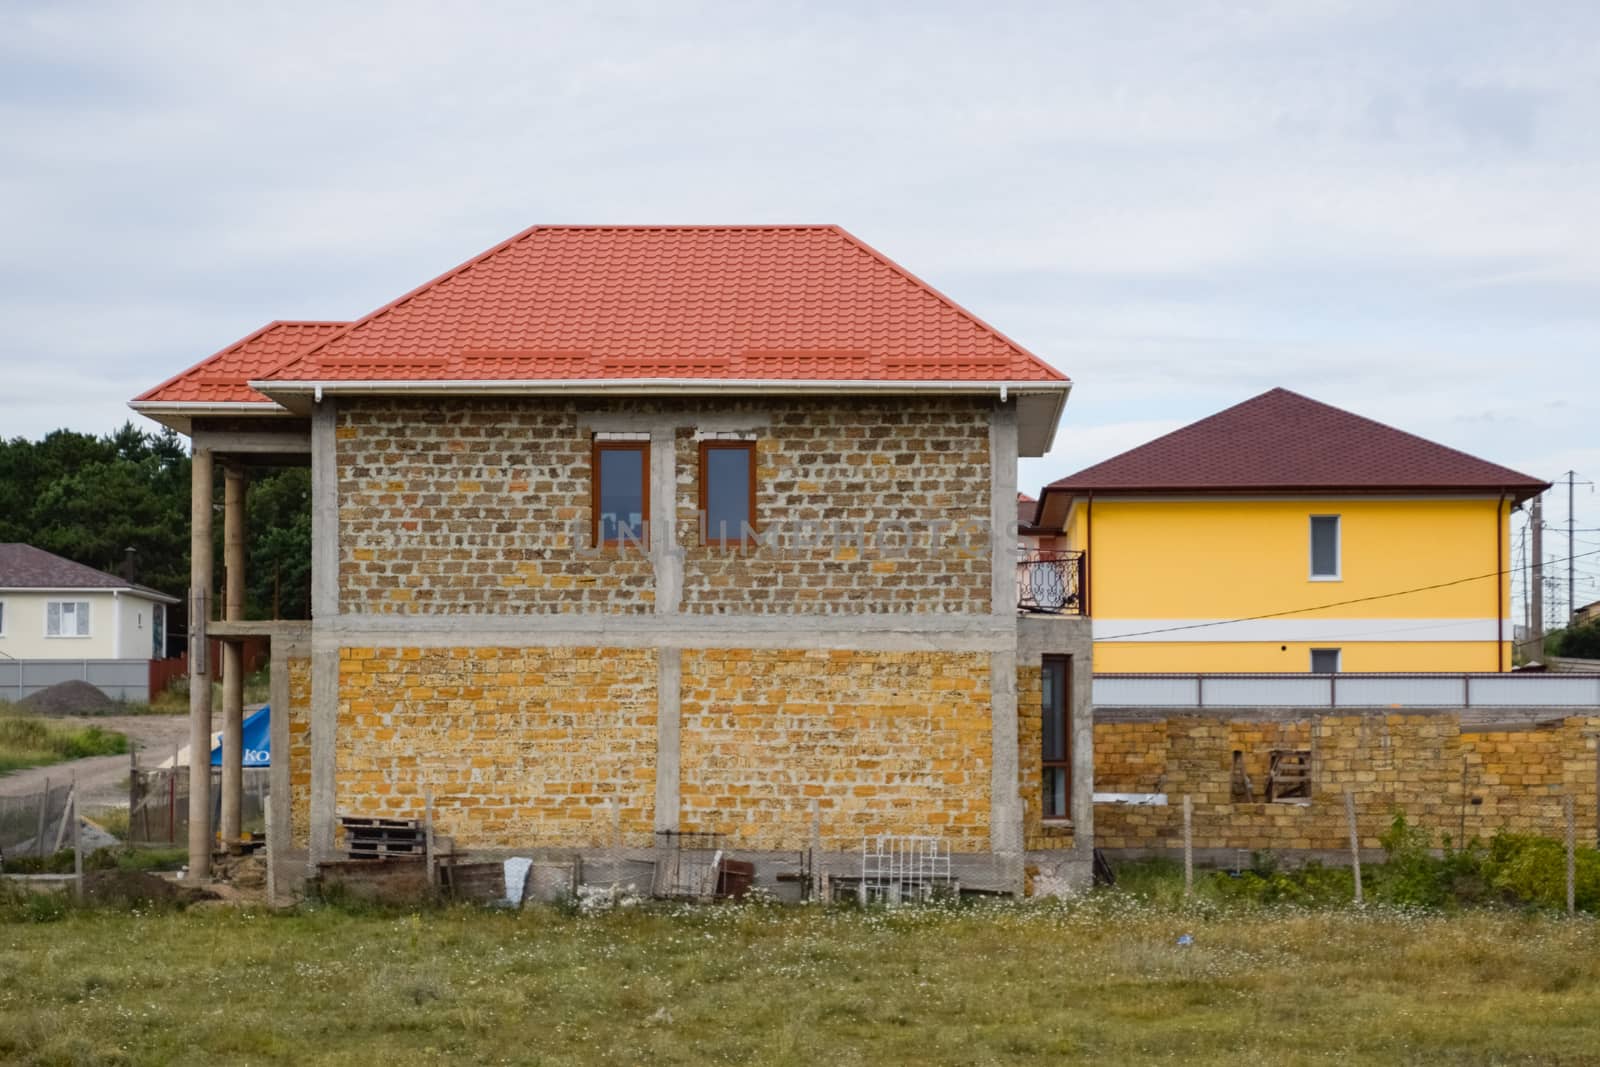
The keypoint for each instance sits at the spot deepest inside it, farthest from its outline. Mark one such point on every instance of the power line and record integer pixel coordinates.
(1334, 604)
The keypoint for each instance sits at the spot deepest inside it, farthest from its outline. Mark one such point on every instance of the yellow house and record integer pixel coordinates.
(1286, 535)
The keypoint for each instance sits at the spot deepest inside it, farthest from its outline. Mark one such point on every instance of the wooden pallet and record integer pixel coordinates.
(375, 838)
(1289, 774)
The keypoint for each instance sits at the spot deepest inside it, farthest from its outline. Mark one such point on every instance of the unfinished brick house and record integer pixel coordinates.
(621, 531)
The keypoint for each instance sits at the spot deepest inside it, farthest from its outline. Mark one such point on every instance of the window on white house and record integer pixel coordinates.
(1325, 661)
(1324, 548)
(158, 631)
(67, 618)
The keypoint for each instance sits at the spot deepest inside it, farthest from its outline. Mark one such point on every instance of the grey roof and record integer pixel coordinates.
(25, 567)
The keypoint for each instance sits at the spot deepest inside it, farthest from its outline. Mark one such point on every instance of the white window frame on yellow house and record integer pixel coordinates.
(1338, 549)
(82, 620)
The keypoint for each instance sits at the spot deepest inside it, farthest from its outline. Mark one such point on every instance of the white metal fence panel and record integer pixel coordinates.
(119, 679)
(1153, 691)
(1546, 690)
(1410, 691)
(1256, 691)
(1530, 690)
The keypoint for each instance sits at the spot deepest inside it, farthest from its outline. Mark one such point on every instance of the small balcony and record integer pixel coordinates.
(1050, 582)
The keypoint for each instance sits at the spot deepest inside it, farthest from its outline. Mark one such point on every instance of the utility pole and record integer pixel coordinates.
(1536, 582)
(1572, 554)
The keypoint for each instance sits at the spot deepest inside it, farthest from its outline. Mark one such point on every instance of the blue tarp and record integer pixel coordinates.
(257, 740)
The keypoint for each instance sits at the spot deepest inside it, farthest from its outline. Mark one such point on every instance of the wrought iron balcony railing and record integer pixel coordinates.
(1050, 582)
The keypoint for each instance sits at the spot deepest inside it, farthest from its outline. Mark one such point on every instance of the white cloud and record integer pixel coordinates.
(1391, 207)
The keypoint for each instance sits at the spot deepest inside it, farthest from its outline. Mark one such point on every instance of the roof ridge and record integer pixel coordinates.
(942, 298)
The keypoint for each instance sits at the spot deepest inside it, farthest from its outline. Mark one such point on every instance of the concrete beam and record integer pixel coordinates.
(200, 671)
(669, 692)
(252, 443)
(935, 633)
(324, 608)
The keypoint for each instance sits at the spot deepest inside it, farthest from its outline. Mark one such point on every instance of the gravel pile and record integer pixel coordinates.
(69, 698)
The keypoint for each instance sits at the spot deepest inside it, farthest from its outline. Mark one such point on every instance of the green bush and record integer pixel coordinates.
(1533, 870)
(29, 741)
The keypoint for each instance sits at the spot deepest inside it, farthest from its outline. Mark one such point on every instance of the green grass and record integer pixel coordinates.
(30, 741)
(1102, 979)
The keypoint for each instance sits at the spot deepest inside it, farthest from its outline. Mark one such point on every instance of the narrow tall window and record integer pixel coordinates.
(1325, 661)
(1057, 738)
(620, 501)
(1324, 548)
(158, 631)
(67, 618)
(727, 490)
(2, 618)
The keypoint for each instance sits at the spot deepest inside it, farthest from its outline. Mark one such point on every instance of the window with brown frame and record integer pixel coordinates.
(727, 491)
(620, 492)
(1056, 737)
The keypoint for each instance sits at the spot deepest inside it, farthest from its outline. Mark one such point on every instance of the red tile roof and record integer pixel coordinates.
(221, 378)
(1027, 508)
(1282, 441)
(713, 302)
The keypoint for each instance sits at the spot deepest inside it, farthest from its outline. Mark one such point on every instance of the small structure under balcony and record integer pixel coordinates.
(1050, 582)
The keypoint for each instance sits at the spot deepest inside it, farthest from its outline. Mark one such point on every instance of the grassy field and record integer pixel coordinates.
(1102, 979)
(30, 741)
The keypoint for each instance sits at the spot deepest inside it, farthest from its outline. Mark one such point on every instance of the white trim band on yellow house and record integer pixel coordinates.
(1161, 631)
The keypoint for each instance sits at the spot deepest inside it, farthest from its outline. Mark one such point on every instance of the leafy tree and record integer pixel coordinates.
(92, 498)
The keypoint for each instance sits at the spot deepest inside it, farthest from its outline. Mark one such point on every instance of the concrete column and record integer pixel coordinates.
(324, 612)
(279, 831)
(233, 488)
(665, 557)
(669, 691)
(200, 671)
(1003, 509)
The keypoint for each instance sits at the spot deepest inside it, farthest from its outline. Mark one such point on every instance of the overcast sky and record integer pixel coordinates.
(1390, 207)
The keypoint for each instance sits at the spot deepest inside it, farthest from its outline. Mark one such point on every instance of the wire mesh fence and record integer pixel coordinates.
(32, 824)
(158, 803)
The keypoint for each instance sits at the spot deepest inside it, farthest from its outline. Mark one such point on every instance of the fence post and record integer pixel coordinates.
(77, 843)
(1355, 842)
(819, 866)
(272, 853)
(1572, 867)
(44, 815)
(1188, 845)
(427, 834)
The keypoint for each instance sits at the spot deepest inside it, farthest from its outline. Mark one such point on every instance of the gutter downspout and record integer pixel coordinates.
(1088, 557)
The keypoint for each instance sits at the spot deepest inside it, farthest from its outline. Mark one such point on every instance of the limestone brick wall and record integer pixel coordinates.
(896, 466)
(885, 742)
(472, 506)
(520, 746)
(1421, 763)
(299, 756)
(1130, 757)
(483, 507)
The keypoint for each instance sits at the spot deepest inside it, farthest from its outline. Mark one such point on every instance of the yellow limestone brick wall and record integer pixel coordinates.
(299, 712)
(521, 747)
(884, 742)
(1390, 762)
(1036, 833)
(1130, 757)
(1166, 560)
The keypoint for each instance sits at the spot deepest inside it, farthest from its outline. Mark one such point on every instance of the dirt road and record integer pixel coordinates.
(104, 779)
